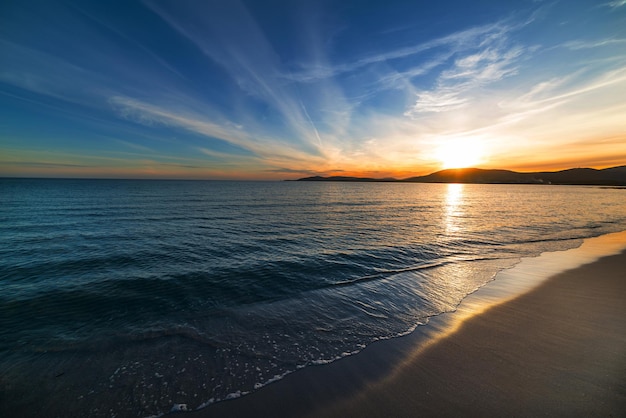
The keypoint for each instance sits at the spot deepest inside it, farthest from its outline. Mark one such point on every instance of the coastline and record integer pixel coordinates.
(541, 338)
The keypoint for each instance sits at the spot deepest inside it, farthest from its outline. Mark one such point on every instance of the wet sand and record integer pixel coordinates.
(558, 350)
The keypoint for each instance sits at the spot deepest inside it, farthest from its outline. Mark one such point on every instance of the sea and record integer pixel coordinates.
(139, 297)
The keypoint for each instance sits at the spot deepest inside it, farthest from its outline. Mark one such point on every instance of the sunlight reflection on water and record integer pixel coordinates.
(454, 209)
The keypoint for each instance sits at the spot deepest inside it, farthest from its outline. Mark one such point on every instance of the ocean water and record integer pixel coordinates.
(128, 298)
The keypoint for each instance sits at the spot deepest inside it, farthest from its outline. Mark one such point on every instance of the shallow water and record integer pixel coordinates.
(128, 297)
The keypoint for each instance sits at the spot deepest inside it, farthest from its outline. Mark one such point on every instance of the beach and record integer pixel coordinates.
(558, 349)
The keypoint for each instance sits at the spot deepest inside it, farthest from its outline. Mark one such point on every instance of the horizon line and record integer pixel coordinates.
(381, 179)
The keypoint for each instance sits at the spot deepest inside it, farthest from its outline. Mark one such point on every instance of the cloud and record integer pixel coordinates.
(546, 105)
(458, 40)
(605, 79)
(268, 148)
(615, 4)
(134, 146)
(579, 44)
(44, 164)
(230, 36)
(224, 156)
(441, 100)
(283, 170)
(475, 67)
(151, 114)
(403, 79)
(46, 74)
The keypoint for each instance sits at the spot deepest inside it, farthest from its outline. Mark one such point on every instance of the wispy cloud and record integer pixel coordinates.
(150, 114)
(230, 36)
(46, 74)
(394, 79)
(616, 3)
(605, 79)
(440, 100)
(282, 170)
(493, 60)
(43, 164)
(457, 40)
(258, 145)
(588, 44)
(224, 156)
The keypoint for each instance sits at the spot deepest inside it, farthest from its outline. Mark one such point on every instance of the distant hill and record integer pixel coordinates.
(615, 176)
(475, 175)
(345, 178)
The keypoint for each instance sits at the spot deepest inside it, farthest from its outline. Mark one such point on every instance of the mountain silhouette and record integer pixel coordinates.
(614, 176)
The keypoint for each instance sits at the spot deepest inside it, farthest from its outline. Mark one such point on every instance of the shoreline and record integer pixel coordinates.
(387, 376)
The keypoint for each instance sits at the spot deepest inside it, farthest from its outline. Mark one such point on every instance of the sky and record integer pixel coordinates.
(277, 89)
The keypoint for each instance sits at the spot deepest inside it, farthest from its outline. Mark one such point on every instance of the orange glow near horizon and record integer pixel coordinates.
(156, 170)
(408, 159)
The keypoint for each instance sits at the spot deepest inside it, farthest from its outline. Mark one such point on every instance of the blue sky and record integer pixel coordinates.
(282, 89)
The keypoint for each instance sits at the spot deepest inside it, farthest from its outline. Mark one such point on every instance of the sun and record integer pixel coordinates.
(460, 153)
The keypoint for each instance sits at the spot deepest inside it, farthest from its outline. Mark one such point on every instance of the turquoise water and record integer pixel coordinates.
(124, 298)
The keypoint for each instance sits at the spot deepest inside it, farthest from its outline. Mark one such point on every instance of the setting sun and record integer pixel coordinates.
(460, 153)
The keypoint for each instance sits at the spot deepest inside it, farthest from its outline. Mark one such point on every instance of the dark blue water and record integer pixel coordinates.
(127, 297)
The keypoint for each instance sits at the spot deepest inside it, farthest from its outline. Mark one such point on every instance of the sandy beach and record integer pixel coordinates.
(557, 350)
